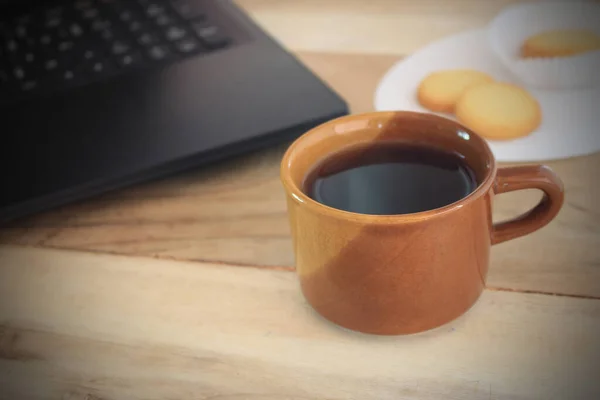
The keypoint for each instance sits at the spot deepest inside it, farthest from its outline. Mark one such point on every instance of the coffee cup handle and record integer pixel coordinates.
(540, 177)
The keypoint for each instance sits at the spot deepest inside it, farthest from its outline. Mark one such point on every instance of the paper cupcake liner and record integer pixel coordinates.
(512, 27)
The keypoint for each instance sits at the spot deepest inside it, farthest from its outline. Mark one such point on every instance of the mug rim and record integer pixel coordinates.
(299, 196)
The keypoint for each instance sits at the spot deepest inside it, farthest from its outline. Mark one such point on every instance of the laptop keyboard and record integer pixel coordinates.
(83, 41)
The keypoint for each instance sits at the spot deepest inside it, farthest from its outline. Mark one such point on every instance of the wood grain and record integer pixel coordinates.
(396, 27)
(234, 212)
(83, 326)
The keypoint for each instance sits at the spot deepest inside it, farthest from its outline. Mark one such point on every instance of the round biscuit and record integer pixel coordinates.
(499, 111)
(440, 90)
(560, 43)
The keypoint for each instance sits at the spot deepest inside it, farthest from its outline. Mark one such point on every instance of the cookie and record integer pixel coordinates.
(499, 111)
(560, 43)
(440, 90)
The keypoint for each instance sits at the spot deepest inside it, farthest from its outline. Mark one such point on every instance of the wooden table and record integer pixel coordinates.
(184, 289)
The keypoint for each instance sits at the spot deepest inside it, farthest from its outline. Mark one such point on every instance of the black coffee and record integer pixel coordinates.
(390, 178)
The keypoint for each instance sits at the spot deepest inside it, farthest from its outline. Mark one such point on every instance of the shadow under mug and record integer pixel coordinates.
(402, 274)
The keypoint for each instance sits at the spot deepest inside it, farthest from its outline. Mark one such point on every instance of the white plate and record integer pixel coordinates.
(571, 118)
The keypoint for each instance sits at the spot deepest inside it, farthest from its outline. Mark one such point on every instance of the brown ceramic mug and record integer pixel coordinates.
(403, 274)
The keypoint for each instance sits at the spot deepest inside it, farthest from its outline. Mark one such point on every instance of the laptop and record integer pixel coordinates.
(99, 94)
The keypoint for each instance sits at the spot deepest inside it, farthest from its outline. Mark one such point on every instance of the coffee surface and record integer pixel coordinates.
(390, 178)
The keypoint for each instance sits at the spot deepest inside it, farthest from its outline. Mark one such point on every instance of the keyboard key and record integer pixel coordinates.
(99, 68)
(158, 53)
(21, 31)
(89, 55)
(11, 46)
(99, 25)
(188, 45)
(126, 15)
(65, 46)
(53, 21)
(130, 60)
(79, 41)
(71, 77)
(19, 73)
(164, 20)
(76, 30)
(65, 53)
(25, 19)
(119, 48)
(210, 35)
(188, 9)
(29, 85)
(29, 57)
(110, 35)
(106, 35)
(90, 13)
(51, 65)
(175, 33)
(147, 39)
(154, 9)
(45, 39)
(136, 26)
